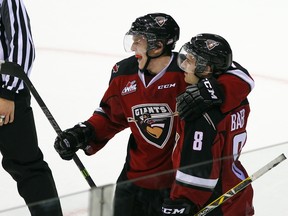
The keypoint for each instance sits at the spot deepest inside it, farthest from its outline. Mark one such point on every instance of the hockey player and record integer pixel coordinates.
(142, 96)
(208, 147)
(22, 157)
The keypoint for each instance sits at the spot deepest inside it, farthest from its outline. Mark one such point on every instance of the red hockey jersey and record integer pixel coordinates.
(149, 111)
(206, 158)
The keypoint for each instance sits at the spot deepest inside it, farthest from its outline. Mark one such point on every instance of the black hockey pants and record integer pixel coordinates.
(131, 200)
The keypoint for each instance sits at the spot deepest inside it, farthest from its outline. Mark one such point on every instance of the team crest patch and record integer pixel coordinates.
(154, 122)
(130, 87)
(211, 44)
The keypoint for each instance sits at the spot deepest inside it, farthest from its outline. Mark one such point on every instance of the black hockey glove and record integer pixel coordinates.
(70, 140)
(178, 207)
(199, 98)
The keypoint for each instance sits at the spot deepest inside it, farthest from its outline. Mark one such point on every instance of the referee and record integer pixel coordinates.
(22, 157)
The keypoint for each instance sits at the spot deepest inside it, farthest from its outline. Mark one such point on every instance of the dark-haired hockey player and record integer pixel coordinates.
(208, 146)
(142, 96)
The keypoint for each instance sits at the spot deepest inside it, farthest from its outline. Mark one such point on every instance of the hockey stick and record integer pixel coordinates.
(243, 184)
(15, 70)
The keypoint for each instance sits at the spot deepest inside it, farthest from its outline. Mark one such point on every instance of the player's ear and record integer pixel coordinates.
(207, 72)
(159, 45)
(208, 69)
(158, 49)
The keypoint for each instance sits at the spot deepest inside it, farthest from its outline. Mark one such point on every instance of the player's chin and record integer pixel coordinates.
(188, 80)
(141, 64)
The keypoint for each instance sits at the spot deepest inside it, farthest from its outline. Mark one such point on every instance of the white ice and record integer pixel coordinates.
(78, 42)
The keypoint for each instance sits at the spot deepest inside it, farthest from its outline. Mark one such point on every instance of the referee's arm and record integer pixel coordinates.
(16, 43)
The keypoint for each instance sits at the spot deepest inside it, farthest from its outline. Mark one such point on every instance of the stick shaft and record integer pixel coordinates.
(14, 69)
(243, 184)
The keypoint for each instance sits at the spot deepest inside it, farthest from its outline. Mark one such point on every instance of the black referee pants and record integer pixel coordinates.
(23, 160)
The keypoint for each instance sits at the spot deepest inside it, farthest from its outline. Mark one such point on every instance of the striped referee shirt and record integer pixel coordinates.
(16, 44)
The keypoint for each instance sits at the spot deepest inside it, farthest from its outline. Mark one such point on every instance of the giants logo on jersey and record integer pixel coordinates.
(154, 122)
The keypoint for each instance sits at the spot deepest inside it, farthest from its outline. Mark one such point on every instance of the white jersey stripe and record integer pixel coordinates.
(243, 76)
(195, 181)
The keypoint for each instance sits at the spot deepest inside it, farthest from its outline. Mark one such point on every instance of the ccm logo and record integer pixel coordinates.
(173, 211)
(166, 86)
(210, 89)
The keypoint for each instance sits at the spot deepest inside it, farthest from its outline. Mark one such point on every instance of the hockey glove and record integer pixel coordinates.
(178, 207)
(199, 98)
(73, 139)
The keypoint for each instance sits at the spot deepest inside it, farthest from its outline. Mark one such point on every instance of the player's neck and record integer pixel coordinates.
(158, 64)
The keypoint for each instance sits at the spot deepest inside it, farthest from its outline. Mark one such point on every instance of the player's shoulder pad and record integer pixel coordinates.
(124, 67)
(239, 71)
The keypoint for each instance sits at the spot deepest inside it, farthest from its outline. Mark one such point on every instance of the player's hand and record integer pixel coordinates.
(178, 207)
(199, 98)
(73, 139)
